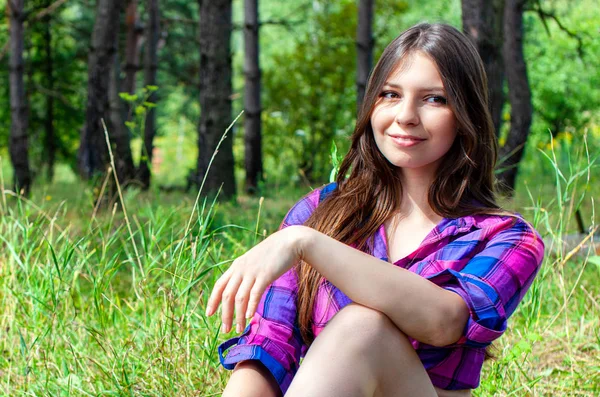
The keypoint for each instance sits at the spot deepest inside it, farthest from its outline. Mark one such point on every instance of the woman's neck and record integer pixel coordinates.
(415, 196)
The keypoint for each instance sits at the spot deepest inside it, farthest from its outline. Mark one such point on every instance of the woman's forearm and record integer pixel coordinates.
(417, 306)
(251, 379)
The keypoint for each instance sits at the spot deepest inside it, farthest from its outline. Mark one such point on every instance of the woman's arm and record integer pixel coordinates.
(251, 379)
(418, 307)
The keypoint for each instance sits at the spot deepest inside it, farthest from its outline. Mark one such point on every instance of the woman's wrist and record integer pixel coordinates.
(300, 240)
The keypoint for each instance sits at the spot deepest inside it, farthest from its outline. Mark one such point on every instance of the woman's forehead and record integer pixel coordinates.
(415, 68)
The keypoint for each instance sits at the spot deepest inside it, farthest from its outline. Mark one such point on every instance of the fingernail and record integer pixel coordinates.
(223, 328)
(248, 315)
(238, 328)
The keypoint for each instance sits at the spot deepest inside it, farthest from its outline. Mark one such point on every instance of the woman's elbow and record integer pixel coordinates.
(450, 325)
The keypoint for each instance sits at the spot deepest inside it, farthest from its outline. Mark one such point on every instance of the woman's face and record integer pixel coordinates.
(413, 125)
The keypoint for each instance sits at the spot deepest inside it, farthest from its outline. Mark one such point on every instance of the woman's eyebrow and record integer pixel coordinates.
(423, 89)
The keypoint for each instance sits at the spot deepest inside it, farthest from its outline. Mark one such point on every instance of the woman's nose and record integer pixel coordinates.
(406, 113)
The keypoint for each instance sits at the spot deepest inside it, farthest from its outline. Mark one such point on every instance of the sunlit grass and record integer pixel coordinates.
(552, 347)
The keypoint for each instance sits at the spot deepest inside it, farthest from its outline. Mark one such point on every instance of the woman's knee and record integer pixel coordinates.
(366, 326)
(390, 358)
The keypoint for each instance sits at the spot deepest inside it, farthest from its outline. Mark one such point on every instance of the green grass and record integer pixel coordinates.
(82, 315)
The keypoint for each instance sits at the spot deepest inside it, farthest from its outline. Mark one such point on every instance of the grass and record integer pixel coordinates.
(81, 314)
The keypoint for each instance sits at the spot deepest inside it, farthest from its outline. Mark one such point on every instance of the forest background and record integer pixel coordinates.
(103, 284)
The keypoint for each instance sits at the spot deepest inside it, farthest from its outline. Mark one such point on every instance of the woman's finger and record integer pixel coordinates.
(254, 298)
(241, 302)
(227, 301)
(215, 295)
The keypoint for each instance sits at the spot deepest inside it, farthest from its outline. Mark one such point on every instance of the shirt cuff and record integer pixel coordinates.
(254, 352)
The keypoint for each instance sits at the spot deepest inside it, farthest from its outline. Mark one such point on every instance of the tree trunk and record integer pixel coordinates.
(49, 138)
(18, 145)
(519, 95)
(364, 47)
(150, 67)
(252, 103)
(483, 22)
(118, 133)
(132, 49)
(215, 98)
(93, 153)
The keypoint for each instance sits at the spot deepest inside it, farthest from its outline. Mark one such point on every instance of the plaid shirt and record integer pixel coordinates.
(490, 261)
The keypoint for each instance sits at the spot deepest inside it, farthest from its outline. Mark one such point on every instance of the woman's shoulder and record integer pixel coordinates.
(303, 208)
(326, 190)
(507, 228)
(500, 221)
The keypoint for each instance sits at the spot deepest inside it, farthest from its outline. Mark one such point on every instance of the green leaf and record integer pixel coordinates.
(24, 349)
(335, 161)
(595, 260)
(534, 337)
(128, 97)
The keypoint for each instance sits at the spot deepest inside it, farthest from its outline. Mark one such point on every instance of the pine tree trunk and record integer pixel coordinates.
(150, 67)
(93, 153)
(215, 98)
(49, 137)
(252, 103)
(483, 22)
(364, 47)
(132, 48)
(18, 145)
(518, 93)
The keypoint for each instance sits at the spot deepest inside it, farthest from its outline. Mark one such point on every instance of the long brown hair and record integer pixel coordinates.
(368, 189)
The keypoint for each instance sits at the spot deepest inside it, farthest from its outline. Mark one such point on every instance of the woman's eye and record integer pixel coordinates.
(437, 99)
(389, 95)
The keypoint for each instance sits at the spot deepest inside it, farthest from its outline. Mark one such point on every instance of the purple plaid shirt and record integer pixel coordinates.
(490, 261)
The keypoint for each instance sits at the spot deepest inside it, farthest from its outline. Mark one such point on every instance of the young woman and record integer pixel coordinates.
(394, 280)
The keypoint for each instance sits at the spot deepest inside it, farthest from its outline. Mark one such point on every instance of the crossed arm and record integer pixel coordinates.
(418, 307)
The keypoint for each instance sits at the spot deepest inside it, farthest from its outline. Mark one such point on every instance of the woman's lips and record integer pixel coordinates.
(406, 141)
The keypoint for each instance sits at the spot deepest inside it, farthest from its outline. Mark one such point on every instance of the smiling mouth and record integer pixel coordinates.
(406, 141)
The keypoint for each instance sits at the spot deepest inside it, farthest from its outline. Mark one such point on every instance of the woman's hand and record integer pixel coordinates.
(245, 281)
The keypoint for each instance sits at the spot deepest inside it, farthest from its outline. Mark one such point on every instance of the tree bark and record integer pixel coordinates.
(132, 48)
(150, 68)
(252, 102)
(364, 47)
(18, 145)
(215, 98)
(519, 95)
(49, 137)
(483, 22)
(119, 134)
(93, 153)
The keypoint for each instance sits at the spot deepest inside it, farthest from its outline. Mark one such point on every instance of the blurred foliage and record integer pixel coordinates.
(309, 97)
(308, 61)
(71, 32)
(562, 78)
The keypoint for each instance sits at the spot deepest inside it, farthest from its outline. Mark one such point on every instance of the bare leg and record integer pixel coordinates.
(361, 353)
(251, 379)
